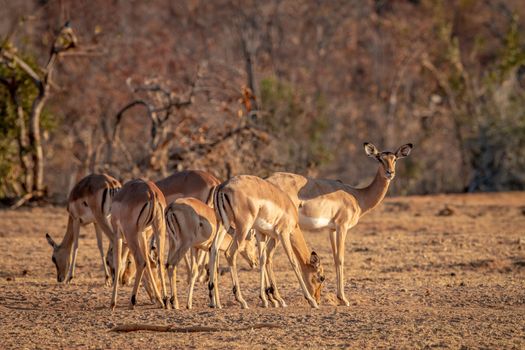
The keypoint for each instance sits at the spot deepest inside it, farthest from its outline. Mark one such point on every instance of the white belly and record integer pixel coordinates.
(263, 225)
(315, 223)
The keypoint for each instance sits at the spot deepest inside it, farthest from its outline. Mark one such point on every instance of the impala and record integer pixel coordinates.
(334, 206)
(192, 224)
(253, 203)
(188, 183)
(138, 206)
(89, 202)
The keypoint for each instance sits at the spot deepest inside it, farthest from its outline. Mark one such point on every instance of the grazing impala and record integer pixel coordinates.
(138, 206)
(188, 183)
(192, 224)
(89, 203)
(251, 202)
(337, 207)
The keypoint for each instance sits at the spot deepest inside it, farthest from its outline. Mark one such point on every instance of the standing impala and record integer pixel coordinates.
(136, 208)
(337, 207)
(192, 226)
(89, 202)
(251, 202)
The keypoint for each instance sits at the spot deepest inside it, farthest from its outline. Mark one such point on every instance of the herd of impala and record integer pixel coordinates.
(201, 216)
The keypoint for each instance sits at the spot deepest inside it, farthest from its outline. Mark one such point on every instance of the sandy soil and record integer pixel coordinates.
(444, 271)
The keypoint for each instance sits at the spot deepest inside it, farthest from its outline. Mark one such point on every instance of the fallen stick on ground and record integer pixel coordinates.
(132, 327)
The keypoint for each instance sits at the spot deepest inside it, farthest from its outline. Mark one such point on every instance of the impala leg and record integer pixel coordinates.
(147, 282)
(123, 258)
(172, 273)
(187, 260)
(117, 251)
(333, 244)
(287, 245)
(71, 270)
(261, 243)
(159, 228)
(272, 284)
(172, 276)
(197, 257)
(142, 262)
(204, 274)
(339, 263)
(231, 257)
(268, 279)
(100, 245)
(103, 224)
(143, 253)
(213, 267)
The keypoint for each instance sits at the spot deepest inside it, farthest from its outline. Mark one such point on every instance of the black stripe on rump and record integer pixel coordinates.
(230, 205)
(141, 211)
(170, 217)
(104, 195)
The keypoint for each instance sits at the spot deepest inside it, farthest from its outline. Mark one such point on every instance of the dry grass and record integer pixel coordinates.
(442, 271)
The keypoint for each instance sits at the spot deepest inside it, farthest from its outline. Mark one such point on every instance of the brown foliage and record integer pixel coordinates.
(384, 72)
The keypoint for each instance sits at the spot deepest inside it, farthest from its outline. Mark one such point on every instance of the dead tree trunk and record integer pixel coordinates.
(30, 141)
(35, 140)
(250, 42)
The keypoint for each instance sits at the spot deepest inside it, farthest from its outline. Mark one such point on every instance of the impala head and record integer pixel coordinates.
(129, 267)
(60, 257)
(129, 271)
(387, 159)
(314, 277)
(249, 252)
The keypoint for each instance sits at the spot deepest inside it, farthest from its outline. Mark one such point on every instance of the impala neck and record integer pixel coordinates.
(67, 241)
(370, 196)
(302, 253)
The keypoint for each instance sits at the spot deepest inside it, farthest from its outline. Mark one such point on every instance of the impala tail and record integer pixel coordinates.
(210, 200)
(219, 202)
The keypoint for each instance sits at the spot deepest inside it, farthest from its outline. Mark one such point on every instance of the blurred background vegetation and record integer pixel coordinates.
(234, 87)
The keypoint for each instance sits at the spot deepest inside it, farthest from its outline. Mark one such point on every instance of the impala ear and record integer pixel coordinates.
(371, 150)
(50, 241)
(315, 261)
(404, 150)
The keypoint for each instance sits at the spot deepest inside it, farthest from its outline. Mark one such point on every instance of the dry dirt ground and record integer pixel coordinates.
(444, 271)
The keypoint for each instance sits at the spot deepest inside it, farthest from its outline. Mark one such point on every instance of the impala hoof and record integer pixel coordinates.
(313, 304)
(343, 301)
(108, 282)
